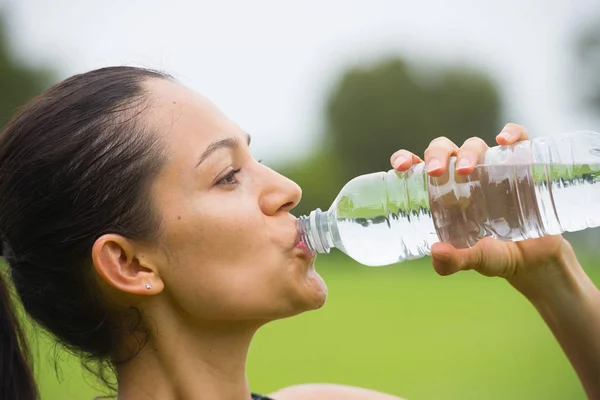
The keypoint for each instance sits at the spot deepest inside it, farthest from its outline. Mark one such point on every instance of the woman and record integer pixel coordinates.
(139, 230)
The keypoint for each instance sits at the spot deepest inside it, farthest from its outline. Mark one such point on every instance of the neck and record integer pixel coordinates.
(207, 361)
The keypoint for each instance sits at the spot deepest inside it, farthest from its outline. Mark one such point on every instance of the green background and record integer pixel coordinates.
(400, 329)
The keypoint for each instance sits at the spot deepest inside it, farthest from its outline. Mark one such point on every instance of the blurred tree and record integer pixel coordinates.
(319, 177)
(587, 50)
(373, 111)
(18, 83)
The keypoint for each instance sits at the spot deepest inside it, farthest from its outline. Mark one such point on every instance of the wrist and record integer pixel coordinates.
(561, 279)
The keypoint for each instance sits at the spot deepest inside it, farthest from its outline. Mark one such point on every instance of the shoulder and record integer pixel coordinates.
(329, 392)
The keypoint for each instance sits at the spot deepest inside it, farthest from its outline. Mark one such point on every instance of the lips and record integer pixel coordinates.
(300, 245)
(304, 251)
(298, 242)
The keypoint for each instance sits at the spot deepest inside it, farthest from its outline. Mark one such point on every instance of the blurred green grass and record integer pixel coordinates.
(400, 329)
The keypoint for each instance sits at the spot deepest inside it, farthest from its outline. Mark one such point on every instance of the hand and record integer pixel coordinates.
(525, 264)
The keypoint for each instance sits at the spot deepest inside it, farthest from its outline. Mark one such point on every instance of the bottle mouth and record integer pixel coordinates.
(308, 231)
(302, 226)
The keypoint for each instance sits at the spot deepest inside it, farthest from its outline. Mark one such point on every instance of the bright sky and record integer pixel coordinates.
(270, 63)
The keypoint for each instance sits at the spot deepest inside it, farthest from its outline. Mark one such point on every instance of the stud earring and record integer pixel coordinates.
(148, 286)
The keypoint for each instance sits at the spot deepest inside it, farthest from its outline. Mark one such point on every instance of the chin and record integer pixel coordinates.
(320, 291)
(311, 296)
(314, 293)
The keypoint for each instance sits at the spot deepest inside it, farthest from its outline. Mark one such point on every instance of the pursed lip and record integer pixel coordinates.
(296, 246)
(303, 247)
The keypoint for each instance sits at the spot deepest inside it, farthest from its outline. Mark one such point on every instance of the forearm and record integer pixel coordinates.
(569, 303)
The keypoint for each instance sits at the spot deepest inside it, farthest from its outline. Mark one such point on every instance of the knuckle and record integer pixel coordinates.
(401, 153)
(429, 152)
(444, 144)
(480, 260)
(473, 142)
(439, 140)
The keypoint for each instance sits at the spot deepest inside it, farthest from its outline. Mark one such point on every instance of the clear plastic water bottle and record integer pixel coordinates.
(544, 186)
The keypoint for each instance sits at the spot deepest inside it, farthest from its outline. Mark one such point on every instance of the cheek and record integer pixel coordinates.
(221, 263)
(220, 227)
(216, 294)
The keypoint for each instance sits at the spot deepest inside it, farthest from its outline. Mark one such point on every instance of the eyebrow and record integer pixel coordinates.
(227, 143)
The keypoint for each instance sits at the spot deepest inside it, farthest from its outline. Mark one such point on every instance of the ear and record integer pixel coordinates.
(125, 266)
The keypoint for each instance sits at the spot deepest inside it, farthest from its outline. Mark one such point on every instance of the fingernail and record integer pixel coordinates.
(505, 135)
(463, 163)
(433, 164)
(397, 161)
(442, 256)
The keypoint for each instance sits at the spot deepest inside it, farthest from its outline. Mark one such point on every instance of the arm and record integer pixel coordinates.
(329, 392)
(569, 303)
(544, 270)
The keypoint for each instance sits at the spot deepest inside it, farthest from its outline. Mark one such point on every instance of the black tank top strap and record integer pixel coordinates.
(254, 397)
(260, 397)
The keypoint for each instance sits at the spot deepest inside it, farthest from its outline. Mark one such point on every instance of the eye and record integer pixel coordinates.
(230, 178)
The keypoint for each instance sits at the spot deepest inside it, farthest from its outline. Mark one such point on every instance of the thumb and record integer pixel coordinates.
(489, 257)
(447, 259)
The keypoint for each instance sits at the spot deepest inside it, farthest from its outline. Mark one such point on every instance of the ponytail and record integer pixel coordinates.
(16, 375)
(75, 163)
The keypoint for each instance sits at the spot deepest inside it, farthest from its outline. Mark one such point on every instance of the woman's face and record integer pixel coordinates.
(229, 238)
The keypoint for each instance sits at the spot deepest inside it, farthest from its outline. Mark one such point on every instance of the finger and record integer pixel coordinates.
(437, 154)
(445, 259)
(489, 257)
(512, 133)
(448, 260)
(404, 159)
(469, 154)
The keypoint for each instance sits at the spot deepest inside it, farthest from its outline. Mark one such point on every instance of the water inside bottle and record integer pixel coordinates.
(508, 202)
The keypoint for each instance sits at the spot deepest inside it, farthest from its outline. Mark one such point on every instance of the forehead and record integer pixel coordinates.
(185, 116)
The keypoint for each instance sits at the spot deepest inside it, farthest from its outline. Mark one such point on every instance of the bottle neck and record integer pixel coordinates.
(315, 232)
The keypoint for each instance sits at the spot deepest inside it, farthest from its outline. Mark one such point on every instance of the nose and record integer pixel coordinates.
(278, 194)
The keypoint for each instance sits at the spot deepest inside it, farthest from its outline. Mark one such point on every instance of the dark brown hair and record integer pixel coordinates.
(75, 163)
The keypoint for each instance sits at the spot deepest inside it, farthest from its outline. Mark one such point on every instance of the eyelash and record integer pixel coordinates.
(231, 175)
